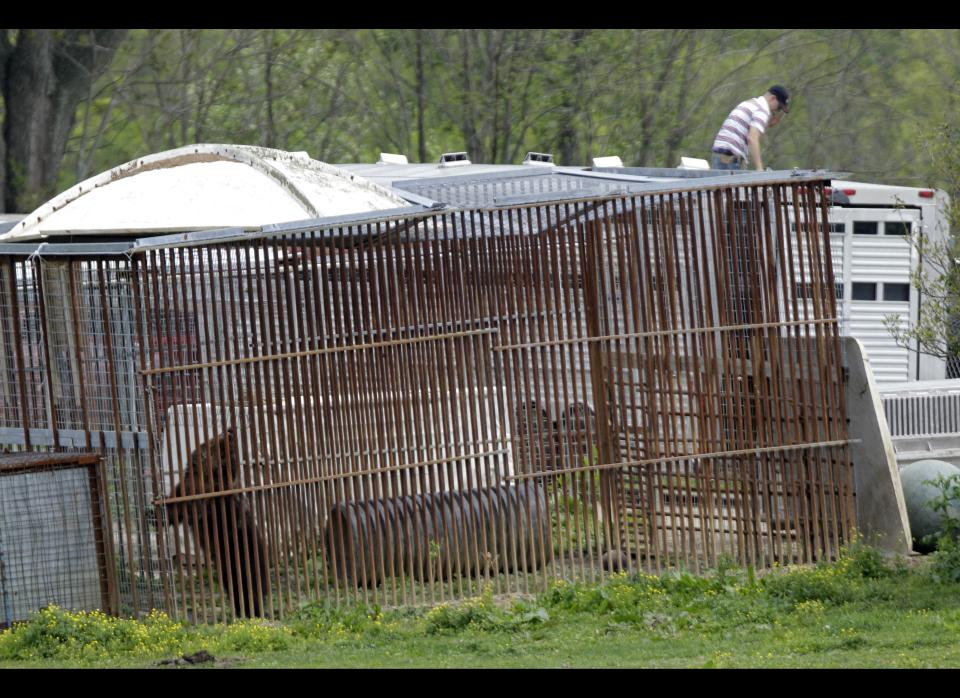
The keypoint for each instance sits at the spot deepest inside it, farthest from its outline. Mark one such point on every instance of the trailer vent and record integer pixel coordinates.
(609, 161)
(392, 159)
(538, 159)
(454, 159)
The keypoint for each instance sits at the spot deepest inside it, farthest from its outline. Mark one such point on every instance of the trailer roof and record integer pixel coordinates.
(502, 185)
(204, 186)
(469, 193)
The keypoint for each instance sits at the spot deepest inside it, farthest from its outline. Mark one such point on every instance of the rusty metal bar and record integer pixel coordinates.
(147, 388)
(399, 412)
(44, 333)
(108, 339)
(692, 456)
(258, 263)
(302, 354)
(18, 353)
(157, 395)
(665, 333)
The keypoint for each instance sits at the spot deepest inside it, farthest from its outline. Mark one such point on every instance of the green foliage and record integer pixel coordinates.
(481, 613)
(59, 634)
(255, 635)
(325, 620)
(862, 561)
(946, 559)
(859, 611)
(576, 524)
(863, 100)
(672, 603)
(937, 329)
(851, 578)
(861, 97)
(729, 597)
(946, 503)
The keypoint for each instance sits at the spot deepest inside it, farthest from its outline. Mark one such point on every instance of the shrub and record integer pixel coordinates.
(863, 561)
(481, 613)
(55, 633)
(328, 621)
(848, 579)
(317, 620)
(946, 559)
(627, 598)
(254, 635)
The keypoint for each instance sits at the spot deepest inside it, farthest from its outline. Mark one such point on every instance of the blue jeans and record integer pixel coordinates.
(720, 165)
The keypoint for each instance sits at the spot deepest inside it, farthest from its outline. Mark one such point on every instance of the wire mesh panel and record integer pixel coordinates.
(24, 403)
(54, 542)
(71, 381)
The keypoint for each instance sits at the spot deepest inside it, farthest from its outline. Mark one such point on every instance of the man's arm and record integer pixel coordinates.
(753, 145)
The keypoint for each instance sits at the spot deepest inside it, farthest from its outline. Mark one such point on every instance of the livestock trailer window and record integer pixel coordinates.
(864, 291)
(838, 227)
(896, 228)
(896, 292)
(865, 227)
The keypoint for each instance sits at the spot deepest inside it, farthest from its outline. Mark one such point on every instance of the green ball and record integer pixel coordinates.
(925, 523)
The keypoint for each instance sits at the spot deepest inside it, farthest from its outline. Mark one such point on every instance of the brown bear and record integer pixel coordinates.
(224, 526)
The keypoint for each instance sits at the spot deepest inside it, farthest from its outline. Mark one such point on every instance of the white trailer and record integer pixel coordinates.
(871, 226)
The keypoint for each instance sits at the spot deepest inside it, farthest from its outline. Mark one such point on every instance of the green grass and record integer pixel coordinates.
(862, 611)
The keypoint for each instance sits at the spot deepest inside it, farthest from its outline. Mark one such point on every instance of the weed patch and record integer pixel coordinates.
(55, 633)
(481, 613)
(855, 576)
(862, 610)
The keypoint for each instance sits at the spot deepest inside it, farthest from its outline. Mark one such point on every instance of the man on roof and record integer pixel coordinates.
(741, 132)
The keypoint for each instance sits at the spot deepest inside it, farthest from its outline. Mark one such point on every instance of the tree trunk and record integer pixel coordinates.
(269, 137)
(421, 100)
(6, 49)
(570, 107)
(47, 75)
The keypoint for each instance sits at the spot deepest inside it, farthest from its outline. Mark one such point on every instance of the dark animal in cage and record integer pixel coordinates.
(576, 443)
(227, 522)
(579, 433)
(534, 437)
(439, 535)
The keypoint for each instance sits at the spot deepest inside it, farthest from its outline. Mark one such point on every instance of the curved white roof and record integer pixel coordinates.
(202, 187)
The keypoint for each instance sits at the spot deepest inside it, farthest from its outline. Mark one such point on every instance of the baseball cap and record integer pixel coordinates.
(780, 92)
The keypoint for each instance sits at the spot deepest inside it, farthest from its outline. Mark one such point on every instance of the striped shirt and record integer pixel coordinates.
(733, 134)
